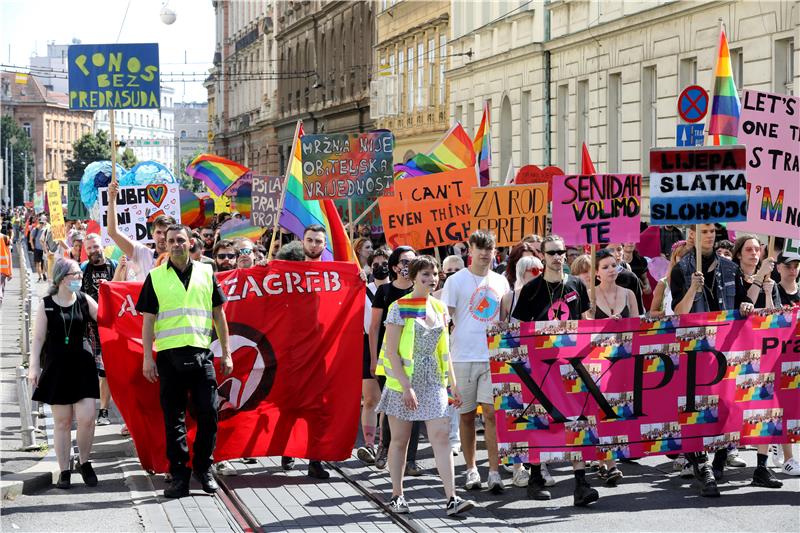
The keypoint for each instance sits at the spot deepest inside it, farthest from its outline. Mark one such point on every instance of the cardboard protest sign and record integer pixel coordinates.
(355, 165)
(53, 190)
(509, 212)
(266, 195)
(770, 128)
(75, 208)
(429, 210)
(113, 76)
(615, 389)
(137, 206)
(222, 203)
(597, 208)
(698, 185)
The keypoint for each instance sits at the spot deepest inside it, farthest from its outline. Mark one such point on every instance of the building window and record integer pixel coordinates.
(613, 137)
(471, 118)
(410, 86)
(737, 63)
(27, 127)
(431, 72)
(562, 126)
(183, 134)
(420, 75)
(688, 72)
(784, 66)
(649, 115)
(582, 118)
(525, 128)
(401, 79)
(458, 113)
(442, 65)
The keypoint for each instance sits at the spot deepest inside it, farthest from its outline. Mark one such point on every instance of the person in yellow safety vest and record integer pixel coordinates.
(5, 263)
(417, 346)
(179, 301)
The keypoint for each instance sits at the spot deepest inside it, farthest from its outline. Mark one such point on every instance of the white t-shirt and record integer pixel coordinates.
(476, 301)
(141, 263)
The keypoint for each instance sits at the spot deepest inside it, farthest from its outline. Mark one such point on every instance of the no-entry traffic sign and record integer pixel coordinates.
(693, 103)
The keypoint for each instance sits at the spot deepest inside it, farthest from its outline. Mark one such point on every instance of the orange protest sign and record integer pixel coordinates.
(509, 212)
(430, 210)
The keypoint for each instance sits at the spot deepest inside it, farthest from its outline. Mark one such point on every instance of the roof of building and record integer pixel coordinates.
(20, 88)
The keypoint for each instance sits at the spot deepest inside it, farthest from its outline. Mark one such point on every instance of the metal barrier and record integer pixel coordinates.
(27, 415)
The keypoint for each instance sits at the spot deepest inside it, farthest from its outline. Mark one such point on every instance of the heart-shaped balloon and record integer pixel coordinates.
(156, 193)
(534, 174)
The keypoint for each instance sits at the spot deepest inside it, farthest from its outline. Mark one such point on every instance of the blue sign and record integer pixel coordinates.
(689, 135)
(114, 76)
(693, 103)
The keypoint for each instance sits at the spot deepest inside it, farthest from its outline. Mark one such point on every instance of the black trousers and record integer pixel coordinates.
(179, 384)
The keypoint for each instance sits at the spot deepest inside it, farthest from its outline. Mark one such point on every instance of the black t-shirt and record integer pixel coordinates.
(761, 301)
(679, 286)
(148, 301)
(384, 296)
(93, 275)
(792, 300)
(543, 300)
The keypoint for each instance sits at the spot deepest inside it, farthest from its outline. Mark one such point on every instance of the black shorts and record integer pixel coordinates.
(38, 256)
(365, 373)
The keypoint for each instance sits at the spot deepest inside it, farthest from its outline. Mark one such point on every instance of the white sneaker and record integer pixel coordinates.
(679, 464)
(495, 482)
(224, 468)
(399, 505)
(520, 477)
(473, 479)
(734, 460)
(508, 468)
(775, 452)
(548, 479)
(687, 472)
(791, 467)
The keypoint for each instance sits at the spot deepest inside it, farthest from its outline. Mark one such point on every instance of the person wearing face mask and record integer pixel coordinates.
(245, 253)
(68, 380)
(378, 263)
(225, 255)
(450, 265)
(386, 294)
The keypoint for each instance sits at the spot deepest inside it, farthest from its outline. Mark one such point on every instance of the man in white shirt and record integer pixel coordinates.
(473, 297)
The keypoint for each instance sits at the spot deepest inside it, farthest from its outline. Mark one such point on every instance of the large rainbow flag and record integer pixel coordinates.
(299, 213)
(725, 106)
(216, 172)
(454, 151)
(483, 146)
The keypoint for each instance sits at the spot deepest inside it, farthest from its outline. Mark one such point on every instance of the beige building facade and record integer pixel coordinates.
(411, 60)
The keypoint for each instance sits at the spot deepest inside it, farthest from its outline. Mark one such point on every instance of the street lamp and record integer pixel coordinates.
(13, 142)
(168, 16)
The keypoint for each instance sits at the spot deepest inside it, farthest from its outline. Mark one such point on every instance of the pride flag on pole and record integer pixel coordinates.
(298, 213)
(725, 106)
(483, 146)
(216, 172)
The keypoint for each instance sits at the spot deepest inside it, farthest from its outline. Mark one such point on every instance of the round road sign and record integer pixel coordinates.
(693, 104)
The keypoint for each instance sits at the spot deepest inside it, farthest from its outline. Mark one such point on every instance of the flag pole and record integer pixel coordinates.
(285, 185)
(113, 146)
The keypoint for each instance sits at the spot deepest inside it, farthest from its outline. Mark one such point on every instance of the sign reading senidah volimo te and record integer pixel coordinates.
(113, 76)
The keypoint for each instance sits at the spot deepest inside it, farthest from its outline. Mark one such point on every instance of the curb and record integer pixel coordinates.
(39, 476)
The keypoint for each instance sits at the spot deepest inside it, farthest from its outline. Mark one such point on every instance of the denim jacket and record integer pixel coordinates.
(724, 280)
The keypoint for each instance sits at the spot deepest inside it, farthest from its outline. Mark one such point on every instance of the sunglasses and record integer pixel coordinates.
(245, 251)
(405, 262)
(555, 252)
(226, 256)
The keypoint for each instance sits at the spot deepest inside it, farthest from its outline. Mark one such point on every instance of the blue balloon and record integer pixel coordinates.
(97, 174)
(147, 173)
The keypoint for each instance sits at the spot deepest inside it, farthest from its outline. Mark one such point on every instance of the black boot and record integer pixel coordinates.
(584, 494)
(178, 488)
(708, 485)
(316, 470)
(536, 489)
(88, 475)
(763, 477)
(287, 463)
(206, 479)
(63, 480)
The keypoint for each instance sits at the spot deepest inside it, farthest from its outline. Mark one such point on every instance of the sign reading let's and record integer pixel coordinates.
(114, 76)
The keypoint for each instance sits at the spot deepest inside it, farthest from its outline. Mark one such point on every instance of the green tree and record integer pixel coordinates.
(89, 148)
(188, 182)
(128, 159)
(13, 136)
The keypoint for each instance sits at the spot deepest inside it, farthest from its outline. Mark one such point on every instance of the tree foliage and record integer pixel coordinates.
(128, 159)
(89, 148)
(22, 150)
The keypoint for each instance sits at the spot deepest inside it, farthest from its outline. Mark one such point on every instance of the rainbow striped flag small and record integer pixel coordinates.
(216, 172)
(235, 229)
(412, 307)
(725, 106)
(241, 195)
(483, 146)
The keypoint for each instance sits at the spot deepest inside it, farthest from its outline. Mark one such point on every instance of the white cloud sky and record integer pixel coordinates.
(26, 26)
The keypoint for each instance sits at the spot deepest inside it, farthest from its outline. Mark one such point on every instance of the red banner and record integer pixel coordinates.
(296, 340)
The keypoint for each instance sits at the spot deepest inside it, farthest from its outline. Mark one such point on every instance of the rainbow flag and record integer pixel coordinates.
(790, 382)
(582, 438)
(299, 213)
(697, 417)
(235, 229)
(658, 327)
(241, 195)
(483, 146)
(725, 106)
(754, 393)
(504, 340)
(216, 172)
(772, 321)
(575, 385)
(555, 341)
(762, 429)
(455, 150)
(662, 445)
(412, 307)
(191, 209)
(500, 367)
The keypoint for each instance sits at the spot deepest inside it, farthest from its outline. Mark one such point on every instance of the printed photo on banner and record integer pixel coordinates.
(790, 375)
(530, 417)
(513, 453)
(114, 76)
(663, 437)
(763, 422)
(699, 338)
(653, 353)
(511, 212)
(560, 457)
(755, 387)
(573, 382)
(622, 405)
(265, 197)
(347, 165)
(597, 208)
(501, 360)
(430, 210)
(698, 185)
(706, 410)
(793, 430)
(613, 447)
(729, 441)
(770, 128)
(137, 207)
(508, 396)
(582, 432)
(746, 362)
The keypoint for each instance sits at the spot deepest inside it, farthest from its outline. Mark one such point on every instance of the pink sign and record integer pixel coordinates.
(770, 128)
(613, 389)
(597, 208)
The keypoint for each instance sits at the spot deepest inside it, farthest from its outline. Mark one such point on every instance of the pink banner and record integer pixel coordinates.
(611, 389)
(597, 208)
(770, 128)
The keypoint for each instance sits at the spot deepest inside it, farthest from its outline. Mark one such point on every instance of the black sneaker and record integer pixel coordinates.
(763, 477)
(88, 475)
(584, 494)
(316, 470)
(613, 476)
(380, 459)
(63, 480)
(287, 463)
(536, 489)
(398, 505)
(708, 485)
(456, 505)
(178, 488)
(102, 417)
(207, 480)
(413, 469)
(366, 454)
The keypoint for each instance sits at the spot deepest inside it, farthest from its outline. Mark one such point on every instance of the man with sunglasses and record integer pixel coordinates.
(555, 296)
(245, 256)
(207, 239)
(225, 255)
